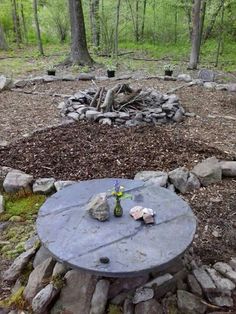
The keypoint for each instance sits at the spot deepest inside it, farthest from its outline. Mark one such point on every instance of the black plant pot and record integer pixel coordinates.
(168, 72)
(52, 72)
(111, 73)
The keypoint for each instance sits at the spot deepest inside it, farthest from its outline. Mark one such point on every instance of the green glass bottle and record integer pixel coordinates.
(118, 211)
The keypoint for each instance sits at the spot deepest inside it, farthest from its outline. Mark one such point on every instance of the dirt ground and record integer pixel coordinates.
(82, 151)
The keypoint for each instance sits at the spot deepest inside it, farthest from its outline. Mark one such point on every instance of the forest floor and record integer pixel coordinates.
(81, 151)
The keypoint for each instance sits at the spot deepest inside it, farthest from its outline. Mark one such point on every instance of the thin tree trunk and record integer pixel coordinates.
(117, 29)
(220, 33)
(79, 50)
(176, 22)
(132, 16)
(154, 22)
(144, 16)
(95, 22)
(40, 45)
(3, 43)
(202, 20)
(137, 21)
(16, 23)
(23, 22)
(212, 23)
(195, 35)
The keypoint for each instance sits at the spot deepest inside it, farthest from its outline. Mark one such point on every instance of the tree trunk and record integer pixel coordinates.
(117, 28)
(40, 45)
(137, 21)
(95, 22)
(3, 44)
(220, 33)
(16, 23)
(23, 22)
(202, 19)
(79, 50)
(195, 34)
(144, 16)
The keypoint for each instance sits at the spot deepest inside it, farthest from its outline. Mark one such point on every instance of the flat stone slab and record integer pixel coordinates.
(73, 237)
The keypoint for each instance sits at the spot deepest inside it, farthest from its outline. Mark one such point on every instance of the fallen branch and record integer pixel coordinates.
(92, 104)
(21, 91)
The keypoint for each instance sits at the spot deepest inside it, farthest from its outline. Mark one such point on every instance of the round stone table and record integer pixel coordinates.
(73, 237)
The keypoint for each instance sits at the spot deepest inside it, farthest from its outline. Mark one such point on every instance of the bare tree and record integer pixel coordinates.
(202, 20)
(79, 49)
(3, 43)
(95, 21)
(220, 38)
(16, 22)
(117, 28)
(195, 34)
(40, 45)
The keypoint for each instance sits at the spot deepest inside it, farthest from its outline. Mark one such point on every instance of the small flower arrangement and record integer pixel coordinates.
(119, 193)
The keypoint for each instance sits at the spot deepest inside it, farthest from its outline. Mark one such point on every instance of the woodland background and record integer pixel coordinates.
(159, 29)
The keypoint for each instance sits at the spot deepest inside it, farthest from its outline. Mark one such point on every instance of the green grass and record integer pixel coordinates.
(27, 60)
(25, 207)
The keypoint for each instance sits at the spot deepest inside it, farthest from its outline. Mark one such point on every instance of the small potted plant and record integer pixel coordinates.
(111, 68)
(168, 68)
(51, 70)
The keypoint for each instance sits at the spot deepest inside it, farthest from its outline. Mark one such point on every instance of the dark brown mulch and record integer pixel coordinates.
(85, 151)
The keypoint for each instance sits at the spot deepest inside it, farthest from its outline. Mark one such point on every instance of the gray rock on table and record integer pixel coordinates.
(98, 207)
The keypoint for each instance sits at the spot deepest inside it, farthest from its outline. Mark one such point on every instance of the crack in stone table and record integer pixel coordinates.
(73, 237)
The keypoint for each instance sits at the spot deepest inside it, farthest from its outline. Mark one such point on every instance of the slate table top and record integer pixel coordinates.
(132, 248)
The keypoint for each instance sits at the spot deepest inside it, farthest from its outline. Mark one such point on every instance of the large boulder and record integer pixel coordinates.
(228, 168)
(150, 307)
(44, 186)
(4, 82)
(41, 255)
(17, 180)
(99, 299)
(37, 279)
(12, 273)
(43, 299)
(183, 180)
(77, 293)
(208, 171)
(158, 178)
(188, 303)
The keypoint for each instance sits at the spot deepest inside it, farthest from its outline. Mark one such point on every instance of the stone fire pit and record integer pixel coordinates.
(123, 105)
